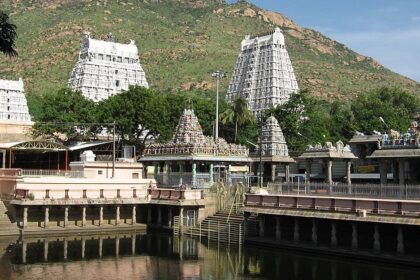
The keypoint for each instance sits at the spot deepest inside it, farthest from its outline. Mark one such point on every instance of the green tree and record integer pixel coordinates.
(8, 35)
(139, 115)
(60, 114)
(395, 106)
(237, 114)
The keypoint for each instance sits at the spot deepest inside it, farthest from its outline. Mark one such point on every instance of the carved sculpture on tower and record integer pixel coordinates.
(105, 68)
(263, 73)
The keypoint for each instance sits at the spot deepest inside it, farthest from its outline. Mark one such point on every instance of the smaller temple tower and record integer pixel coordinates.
(106, 68)
(273, 141)
(13, 106)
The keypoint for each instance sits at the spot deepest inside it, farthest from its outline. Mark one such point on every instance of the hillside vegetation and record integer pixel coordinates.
(180, 42)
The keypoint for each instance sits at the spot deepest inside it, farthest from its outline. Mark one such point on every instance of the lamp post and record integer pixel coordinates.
(218, 75)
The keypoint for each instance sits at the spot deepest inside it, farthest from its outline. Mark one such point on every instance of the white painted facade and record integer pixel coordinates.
(106, 68)
(263, 73)
(13, 106)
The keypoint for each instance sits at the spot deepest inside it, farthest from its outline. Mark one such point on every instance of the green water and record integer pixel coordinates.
(159, 256)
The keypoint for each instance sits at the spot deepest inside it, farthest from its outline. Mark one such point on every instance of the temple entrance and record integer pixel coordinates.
(220, 174)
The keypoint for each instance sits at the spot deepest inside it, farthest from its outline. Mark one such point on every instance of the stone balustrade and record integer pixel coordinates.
(63, 193)
(172, 194)
(336, 204)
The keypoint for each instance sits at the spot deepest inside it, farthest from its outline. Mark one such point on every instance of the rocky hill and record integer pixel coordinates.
(180, 42)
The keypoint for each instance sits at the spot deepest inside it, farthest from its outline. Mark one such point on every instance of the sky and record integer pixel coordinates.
(386, 30)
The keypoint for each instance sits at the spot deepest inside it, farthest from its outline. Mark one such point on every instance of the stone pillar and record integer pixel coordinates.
(117, 246)
(333, 234)
(149, 215)
(45, 250)
(24, 251)
(400, 240)
(211, 174)
(401, 172)
(159, 217)
(181, 219)
(101, 242)
(261, 226)
(376, 238)
(181, 171)
(287, 172)
(133, 244)
(169, 216)
(328, 175)
(155, 169)
(83, 247)
(348, 169)
(117, 215)
(66, 244)
(194, 174)
(25, 217)
(273, 172)
(278, 228)
(134, 215)
(101, 215)
(83, 216)
(354, 237)
(3, 159)
(395, 171)
(66, 216)
(383, 171)
(308, 170)
(296, 235)
(46, 216)
(314, 232)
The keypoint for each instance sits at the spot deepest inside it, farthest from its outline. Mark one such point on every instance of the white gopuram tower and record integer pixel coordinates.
(13, 106)
(106, 68)
(263, 72)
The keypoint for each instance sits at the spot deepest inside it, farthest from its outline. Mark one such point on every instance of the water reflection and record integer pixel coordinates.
(134, 255)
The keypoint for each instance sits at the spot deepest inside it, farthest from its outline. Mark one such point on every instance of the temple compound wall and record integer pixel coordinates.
(106, 68)
(263, 73)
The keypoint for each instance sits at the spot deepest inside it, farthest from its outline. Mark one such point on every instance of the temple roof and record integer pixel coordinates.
(189, 139)
(188, 129)
(339, 151)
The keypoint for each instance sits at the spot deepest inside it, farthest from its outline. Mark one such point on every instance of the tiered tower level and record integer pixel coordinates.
(106, 68)
(263, 73)
(13, 106)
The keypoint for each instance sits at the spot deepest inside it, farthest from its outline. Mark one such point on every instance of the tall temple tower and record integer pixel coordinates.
(13, 106)
(263, 73)
(106, 68)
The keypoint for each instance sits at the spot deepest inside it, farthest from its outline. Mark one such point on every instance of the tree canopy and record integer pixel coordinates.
(8, 35)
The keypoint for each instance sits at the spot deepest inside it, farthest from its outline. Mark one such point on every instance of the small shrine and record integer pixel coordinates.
(327, 154)
(274, 151)
(193, 159)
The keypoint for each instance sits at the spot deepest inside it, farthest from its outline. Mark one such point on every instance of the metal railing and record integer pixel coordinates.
(51, 173)
(355, 190)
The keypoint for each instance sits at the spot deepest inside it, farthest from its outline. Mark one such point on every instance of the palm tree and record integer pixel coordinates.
(7, 36)
(237, 114)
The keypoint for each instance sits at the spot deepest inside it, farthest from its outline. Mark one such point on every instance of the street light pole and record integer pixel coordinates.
(218, 75)
(113, 150)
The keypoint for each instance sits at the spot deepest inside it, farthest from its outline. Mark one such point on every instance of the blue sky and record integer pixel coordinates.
(386, 30)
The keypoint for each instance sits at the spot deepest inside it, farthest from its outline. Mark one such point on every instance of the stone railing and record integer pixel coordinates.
(10, 172)
(51, 173)
(172, 194)
(334, 204)
(80, 193)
